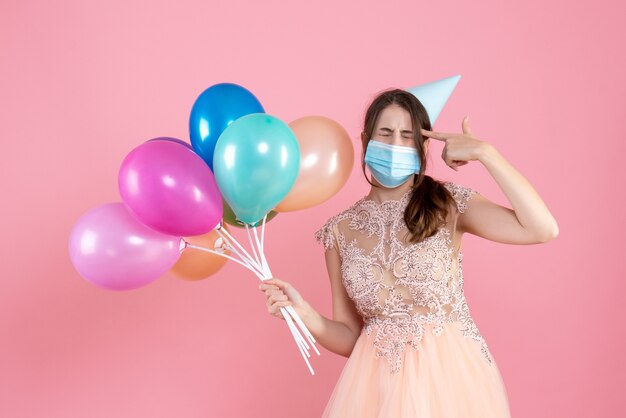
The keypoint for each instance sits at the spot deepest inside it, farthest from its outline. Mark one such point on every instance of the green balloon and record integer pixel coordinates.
(256, 163)
(231, 219)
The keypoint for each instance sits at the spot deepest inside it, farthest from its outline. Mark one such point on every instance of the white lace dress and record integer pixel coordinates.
(420, 353)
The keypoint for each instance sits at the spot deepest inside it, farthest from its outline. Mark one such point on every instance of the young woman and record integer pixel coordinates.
(394, 262)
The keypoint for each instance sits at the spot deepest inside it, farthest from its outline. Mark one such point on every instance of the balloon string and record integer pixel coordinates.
(303, 327)
(263, 233)
(241, 256)
(256, 257)
(288, 312)
(268, 272)
(296, 334)
(291, 310)
(224, 231)
(260, 268)
(244, 264)
(245, 259)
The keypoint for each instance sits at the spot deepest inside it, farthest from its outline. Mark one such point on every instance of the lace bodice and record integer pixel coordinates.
(399, 287)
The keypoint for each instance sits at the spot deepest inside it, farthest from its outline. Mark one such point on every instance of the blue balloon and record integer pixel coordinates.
(256, 163)
(215, 109)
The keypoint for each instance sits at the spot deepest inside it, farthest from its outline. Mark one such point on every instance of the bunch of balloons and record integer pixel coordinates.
(243, 168)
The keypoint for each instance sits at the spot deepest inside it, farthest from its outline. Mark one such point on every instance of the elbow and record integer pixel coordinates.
(343, 350)
(549, 233)
(347, 352)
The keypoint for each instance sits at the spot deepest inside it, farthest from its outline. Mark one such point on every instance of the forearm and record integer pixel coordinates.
(333, 335)
(530, 210)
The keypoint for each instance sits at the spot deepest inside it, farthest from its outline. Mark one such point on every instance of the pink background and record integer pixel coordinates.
(82, 83)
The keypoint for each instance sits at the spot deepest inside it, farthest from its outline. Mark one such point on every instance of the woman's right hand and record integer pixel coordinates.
(280, 294)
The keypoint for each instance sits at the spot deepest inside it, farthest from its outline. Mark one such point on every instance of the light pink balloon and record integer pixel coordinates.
(170, 188)
(112, 249)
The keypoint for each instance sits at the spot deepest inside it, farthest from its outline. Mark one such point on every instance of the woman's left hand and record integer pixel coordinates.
(459, 148)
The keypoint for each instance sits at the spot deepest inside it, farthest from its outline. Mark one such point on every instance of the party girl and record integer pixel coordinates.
(395, 268)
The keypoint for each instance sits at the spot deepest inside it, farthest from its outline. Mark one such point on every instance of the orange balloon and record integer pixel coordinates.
(196, 264)
(326, 159)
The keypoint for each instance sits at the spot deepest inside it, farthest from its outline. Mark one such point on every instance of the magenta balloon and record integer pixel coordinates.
(170, 188)
(112, 249)
(178, 141)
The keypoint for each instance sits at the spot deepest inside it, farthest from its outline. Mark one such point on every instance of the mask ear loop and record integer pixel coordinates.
(365, 143)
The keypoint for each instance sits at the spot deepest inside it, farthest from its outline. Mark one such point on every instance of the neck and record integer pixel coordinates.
(380, 194)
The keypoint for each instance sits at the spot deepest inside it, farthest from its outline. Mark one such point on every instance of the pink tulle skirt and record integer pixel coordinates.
(448, 377)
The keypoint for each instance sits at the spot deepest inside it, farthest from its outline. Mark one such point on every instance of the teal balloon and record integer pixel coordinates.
(256, 163)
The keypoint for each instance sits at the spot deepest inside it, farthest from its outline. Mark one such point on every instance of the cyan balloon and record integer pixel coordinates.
(256, 163)
(215, 109)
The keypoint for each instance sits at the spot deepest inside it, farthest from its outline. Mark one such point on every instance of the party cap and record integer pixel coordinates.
(435, 94)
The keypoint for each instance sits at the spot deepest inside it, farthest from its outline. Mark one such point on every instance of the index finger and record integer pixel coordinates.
(264, 286)
(435, 135)
(277, 282)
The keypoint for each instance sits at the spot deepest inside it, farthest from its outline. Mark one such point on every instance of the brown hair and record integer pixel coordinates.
(427, 209)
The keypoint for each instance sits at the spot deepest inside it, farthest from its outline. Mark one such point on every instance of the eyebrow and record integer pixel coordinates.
(390, 130)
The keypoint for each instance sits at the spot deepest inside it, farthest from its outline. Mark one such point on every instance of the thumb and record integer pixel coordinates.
(465, 126)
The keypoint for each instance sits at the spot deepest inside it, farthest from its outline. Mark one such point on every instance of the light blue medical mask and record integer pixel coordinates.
(391, 165)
